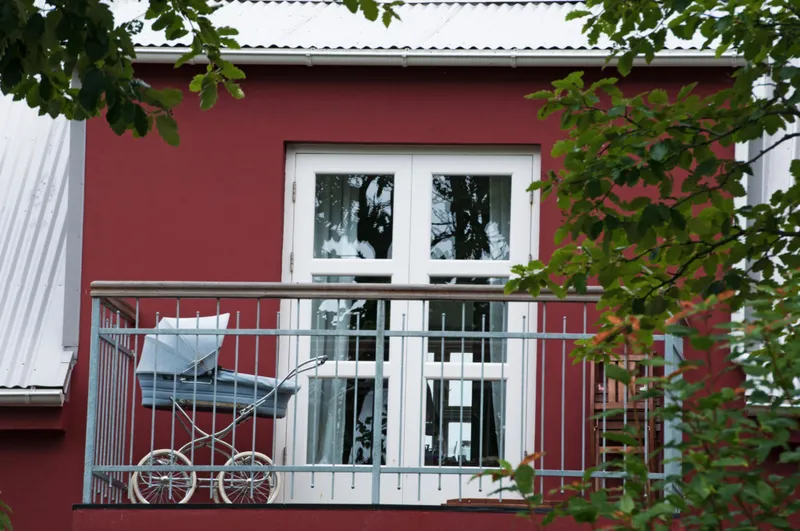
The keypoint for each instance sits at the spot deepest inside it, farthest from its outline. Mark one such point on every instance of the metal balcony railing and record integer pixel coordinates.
(266, 392)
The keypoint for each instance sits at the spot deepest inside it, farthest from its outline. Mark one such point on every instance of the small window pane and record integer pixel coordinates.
(469, 316)
(347, 314)
(471, 217)
(353, 216)
(340, 421)
(463, 423)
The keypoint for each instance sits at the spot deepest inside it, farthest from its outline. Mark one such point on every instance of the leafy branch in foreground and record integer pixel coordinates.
(45, 46)
(723, 477)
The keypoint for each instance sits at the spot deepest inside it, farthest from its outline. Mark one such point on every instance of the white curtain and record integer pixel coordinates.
(327, 397)
(498, 322)
(336, 217)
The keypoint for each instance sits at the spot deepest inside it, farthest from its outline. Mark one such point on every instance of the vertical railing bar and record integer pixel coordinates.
(646, 411)
(563, 394)
(235, 383)
(423, 401)
(441, 401)
(480, 429)
(274, 455)
(255, 391)
(584, 420)
(335, 405)
(108, 364)
(355, 400)
(101, 405)
(503, 398)
(133, 398)
(315, 423)
(625, 409)
(118, 406)
(153, 409)
(91, 409)
(402, 400)
(214, 410)
(194, 392)
(377, 407)
(296, 379)
(461, 401)
(124, 405)
(524, 394)
(172, 426)
(541, 408)
(605, 409)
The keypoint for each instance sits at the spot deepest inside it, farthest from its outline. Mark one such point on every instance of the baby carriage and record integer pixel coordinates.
(180, 373)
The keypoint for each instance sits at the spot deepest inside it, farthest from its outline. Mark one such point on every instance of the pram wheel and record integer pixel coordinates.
(162, 487)
(248, 487)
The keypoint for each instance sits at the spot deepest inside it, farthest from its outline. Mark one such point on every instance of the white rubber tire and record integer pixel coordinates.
(246, 494)
(181, 491)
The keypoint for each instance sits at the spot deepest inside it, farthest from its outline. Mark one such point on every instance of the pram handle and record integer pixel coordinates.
(305, 366)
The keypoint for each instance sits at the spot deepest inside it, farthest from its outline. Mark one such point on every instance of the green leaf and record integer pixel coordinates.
(626, 504)
(622, 438)
(232, 72)
(234, 90)
(658, 97)
(794, 169)
(625, 63)
(92, 86)
(659, 151)
(726, 462)
(169, 98)
(615, 372)
(141, 121)
(197, 83)
(523, 478)
(208, 94)
(168, 129)
(577, 13)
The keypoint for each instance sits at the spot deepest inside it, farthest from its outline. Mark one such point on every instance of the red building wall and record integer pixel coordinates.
(212, 209)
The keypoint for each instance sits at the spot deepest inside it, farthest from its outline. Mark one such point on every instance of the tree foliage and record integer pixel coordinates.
(649, 191)
(72, 58)
(5, 517)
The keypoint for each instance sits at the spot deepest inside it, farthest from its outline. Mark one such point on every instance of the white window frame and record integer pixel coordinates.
(410, 264)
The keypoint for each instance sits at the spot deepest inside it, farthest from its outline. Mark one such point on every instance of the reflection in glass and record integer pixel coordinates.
(346, 314)
(341, 413)
(461, 423)
(353, 216)
(470, 217)
(469, 316)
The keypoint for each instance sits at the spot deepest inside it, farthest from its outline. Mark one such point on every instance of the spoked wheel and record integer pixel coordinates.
(251, 486)
(154, 487)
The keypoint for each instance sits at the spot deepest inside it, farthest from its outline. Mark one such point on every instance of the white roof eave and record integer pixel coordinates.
(407, 57)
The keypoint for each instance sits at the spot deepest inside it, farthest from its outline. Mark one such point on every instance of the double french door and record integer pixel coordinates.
(408, 218)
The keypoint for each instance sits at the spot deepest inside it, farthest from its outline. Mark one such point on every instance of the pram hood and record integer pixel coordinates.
(175, 354)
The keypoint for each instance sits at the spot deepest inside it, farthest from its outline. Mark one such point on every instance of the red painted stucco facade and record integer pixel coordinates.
(212, 210)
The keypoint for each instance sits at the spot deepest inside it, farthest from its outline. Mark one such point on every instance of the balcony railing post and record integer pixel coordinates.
(91, 407)
(377, 408)
(673, 353)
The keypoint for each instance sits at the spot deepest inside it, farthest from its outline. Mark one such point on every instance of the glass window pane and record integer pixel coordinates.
(470, 217)
(340, 421)
(333, 314)
(463, 423)
(469, 316)
(353, 216)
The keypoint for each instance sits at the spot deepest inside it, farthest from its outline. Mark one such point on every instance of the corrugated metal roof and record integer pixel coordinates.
(432, 26)
(34, 154)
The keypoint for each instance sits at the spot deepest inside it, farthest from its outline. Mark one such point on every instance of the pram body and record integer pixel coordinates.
(185, 369)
